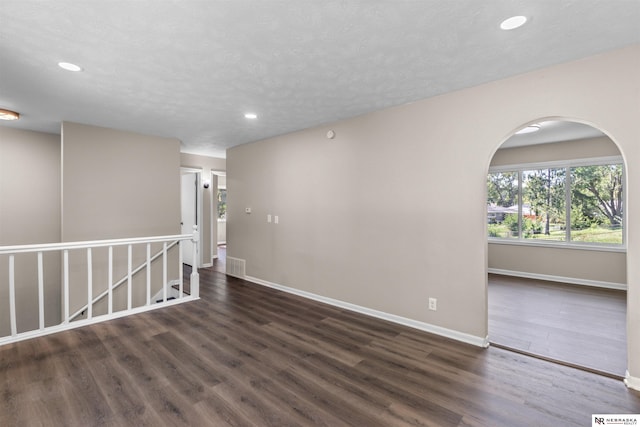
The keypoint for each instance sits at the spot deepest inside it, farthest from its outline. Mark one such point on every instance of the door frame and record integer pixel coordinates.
(199, 210)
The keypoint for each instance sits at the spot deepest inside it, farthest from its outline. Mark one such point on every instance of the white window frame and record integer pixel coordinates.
(594, 161)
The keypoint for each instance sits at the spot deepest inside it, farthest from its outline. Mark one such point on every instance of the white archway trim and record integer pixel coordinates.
(630, 381)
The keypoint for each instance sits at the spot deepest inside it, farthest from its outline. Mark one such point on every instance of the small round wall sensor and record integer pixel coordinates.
(331, 134)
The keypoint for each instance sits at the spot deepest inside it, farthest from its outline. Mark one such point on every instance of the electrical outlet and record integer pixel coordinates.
(433, 304)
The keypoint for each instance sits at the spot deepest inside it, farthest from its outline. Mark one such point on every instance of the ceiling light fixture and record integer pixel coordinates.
(69, 66)
(529, 129)
(8, 115)
(250, 116)
(513, 22)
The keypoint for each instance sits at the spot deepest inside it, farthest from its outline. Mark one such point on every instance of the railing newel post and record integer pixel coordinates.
(89, 284)
(12, 295)
(40, 291)
(180, 269)
(194, 280)
(129, 275)
(110, 280)
(66, 285)
(148, 273)
(164, 272)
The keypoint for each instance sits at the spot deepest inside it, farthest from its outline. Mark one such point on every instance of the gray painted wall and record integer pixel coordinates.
(424, 165)
(29, 213)
(117, 184)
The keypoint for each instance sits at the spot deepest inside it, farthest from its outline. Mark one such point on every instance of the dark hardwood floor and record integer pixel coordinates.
(220, 263)
(246, 355)
(580, 325)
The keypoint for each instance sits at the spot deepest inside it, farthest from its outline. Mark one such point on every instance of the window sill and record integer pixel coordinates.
(560, 245)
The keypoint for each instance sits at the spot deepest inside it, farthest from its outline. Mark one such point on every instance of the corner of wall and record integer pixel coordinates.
(632, 382)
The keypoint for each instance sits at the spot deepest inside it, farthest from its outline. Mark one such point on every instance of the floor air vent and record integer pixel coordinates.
(236, 267)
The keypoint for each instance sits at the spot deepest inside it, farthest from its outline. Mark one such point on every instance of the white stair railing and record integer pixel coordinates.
(68, 320)
(125, 279)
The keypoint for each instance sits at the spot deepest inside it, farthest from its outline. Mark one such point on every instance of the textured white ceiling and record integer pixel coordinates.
(191, 69)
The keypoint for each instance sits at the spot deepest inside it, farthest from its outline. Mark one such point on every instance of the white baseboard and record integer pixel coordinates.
(632, 382)
(427, 327)
(571, 280)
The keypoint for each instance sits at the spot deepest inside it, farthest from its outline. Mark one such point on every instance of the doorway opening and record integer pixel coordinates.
(191, 213)
(220, 216)
(556, 251)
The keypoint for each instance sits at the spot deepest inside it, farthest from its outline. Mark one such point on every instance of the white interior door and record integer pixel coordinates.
(189, 200)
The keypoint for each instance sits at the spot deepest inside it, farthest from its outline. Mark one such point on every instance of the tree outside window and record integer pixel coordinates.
(502, 204)
(597, 204)
(544, 210)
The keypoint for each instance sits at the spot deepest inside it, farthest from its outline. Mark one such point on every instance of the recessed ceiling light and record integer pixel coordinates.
(8, 115)
(529, 129)
(69, 66)
(251, 116)
(513, 22)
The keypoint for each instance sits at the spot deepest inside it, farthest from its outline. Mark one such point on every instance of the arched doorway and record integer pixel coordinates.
(556, 252)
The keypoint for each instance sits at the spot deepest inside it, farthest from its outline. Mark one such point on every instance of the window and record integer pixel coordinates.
(573, 203)
(543, 208)
(502, 208)
(596, 203)
(222, 203)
